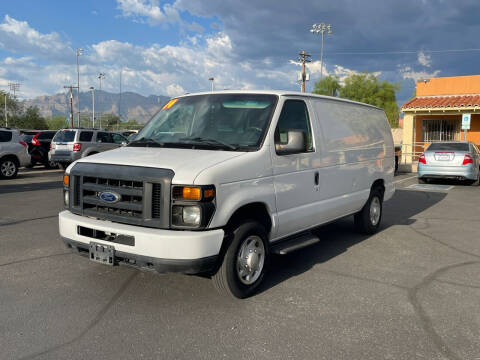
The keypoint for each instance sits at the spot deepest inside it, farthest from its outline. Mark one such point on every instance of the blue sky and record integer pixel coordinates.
(172, 47)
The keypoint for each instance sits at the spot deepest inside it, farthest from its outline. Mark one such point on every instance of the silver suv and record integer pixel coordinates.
(13, 153)
(69, 145)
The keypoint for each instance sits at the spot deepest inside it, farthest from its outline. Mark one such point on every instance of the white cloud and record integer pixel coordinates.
(424, 59)
(175, 90)
(408, 73)
(149, 10)
(18, 36)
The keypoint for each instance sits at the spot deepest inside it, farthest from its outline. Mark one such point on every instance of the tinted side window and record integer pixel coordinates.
(46, 136)
(86, 136)
(5, 136)
(104, 137)
(118, 139)
(294, 116)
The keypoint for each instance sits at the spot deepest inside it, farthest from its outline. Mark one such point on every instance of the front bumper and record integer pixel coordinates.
(188, 252)
(466, 172)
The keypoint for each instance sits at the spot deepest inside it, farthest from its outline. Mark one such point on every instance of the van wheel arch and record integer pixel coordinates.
(257, 212)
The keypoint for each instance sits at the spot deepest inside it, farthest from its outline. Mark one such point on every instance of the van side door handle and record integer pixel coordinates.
(317, 177)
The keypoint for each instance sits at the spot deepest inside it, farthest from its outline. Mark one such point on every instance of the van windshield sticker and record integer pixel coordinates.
(249, 104)
(169, 104)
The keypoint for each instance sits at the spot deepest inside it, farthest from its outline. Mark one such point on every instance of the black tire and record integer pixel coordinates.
(51, 165)
(227, 279)
(422, 181)
(8, 168)
(368, 223)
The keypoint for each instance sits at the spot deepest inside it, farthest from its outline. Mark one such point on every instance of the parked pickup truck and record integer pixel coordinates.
(217, 182)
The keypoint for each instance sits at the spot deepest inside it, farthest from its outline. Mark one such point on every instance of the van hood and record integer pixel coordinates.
(185, 163)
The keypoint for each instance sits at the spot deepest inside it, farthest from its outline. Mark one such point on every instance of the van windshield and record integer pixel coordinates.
(221, 121)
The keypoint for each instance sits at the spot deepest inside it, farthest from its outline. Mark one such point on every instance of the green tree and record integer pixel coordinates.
(57, 122)
(30, 119)
(368, 89)
(329, 86)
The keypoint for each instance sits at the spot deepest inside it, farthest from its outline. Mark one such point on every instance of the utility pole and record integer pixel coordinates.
(6, 115)
(71, 87)
(120, 101)
(304, 58)
(79, 52)
(321, 28)
(93, 106)
(100, 77)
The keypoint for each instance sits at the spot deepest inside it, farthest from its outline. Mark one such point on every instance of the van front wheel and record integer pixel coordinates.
(245, 261)
(368, 219)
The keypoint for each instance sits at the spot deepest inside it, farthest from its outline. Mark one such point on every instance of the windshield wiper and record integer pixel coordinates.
(210, 141)
(146, 142)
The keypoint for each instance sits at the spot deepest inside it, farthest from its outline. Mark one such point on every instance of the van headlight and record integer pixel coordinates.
(66, 198)
(66, 193)
(192, 206)
(186, 215)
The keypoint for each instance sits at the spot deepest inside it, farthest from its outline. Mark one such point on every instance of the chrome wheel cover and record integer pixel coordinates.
(250, 259)
(375, 210)
(8, 168)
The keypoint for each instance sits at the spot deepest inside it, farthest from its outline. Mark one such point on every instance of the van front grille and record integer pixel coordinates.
(130, 195)
(124, 194)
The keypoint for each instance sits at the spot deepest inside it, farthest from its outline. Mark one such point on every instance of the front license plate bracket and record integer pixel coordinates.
(103, 254)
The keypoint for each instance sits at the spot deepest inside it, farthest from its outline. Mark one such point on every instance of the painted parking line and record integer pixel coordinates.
(430, 187)
(29, 172)
(402, 180)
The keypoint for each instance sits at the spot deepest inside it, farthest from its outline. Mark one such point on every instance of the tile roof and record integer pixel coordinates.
(442, 102)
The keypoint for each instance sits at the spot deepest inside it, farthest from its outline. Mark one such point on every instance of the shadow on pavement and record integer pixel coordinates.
(338, 236)
(15, 188)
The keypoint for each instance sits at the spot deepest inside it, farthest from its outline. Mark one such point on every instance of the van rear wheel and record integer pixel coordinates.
(245, 261)
(367, 220)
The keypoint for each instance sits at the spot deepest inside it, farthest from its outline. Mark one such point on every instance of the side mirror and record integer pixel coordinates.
(296, 143)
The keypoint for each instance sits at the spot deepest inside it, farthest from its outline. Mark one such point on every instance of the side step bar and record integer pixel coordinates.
(287, 246)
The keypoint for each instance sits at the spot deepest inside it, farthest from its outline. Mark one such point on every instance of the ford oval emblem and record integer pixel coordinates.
(110, 197)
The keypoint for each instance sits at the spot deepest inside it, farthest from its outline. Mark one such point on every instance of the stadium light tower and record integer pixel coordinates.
(321, 28)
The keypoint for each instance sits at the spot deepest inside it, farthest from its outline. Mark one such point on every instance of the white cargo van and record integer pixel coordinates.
(217, 182)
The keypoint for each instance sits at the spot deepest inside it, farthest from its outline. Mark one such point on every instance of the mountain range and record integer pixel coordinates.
(128, 105)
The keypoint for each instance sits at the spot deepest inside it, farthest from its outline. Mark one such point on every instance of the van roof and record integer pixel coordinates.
(280, 93)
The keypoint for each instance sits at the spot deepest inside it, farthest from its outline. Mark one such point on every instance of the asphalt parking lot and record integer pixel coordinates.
(412, 291)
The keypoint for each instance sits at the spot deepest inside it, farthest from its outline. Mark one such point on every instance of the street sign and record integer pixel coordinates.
(466, 121)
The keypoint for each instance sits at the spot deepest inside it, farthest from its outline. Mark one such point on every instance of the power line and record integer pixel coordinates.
(401, 52)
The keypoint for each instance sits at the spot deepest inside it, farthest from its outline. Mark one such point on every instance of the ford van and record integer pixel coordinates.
(215, 183)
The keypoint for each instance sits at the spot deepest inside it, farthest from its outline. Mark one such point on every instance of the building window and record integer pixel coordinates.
(441, 130)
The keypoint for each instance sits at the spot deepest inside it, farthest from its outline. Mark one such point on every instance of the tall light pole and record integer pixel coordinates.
(6, 115)
(321, 28)
(100, 77)
(211, 83)
(93, 105)
(14, 87)
(79, 52)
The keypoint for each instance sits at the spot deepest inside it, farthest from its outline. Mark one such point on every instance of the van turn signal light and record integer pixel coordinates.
(66, 180)
(192, 193)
